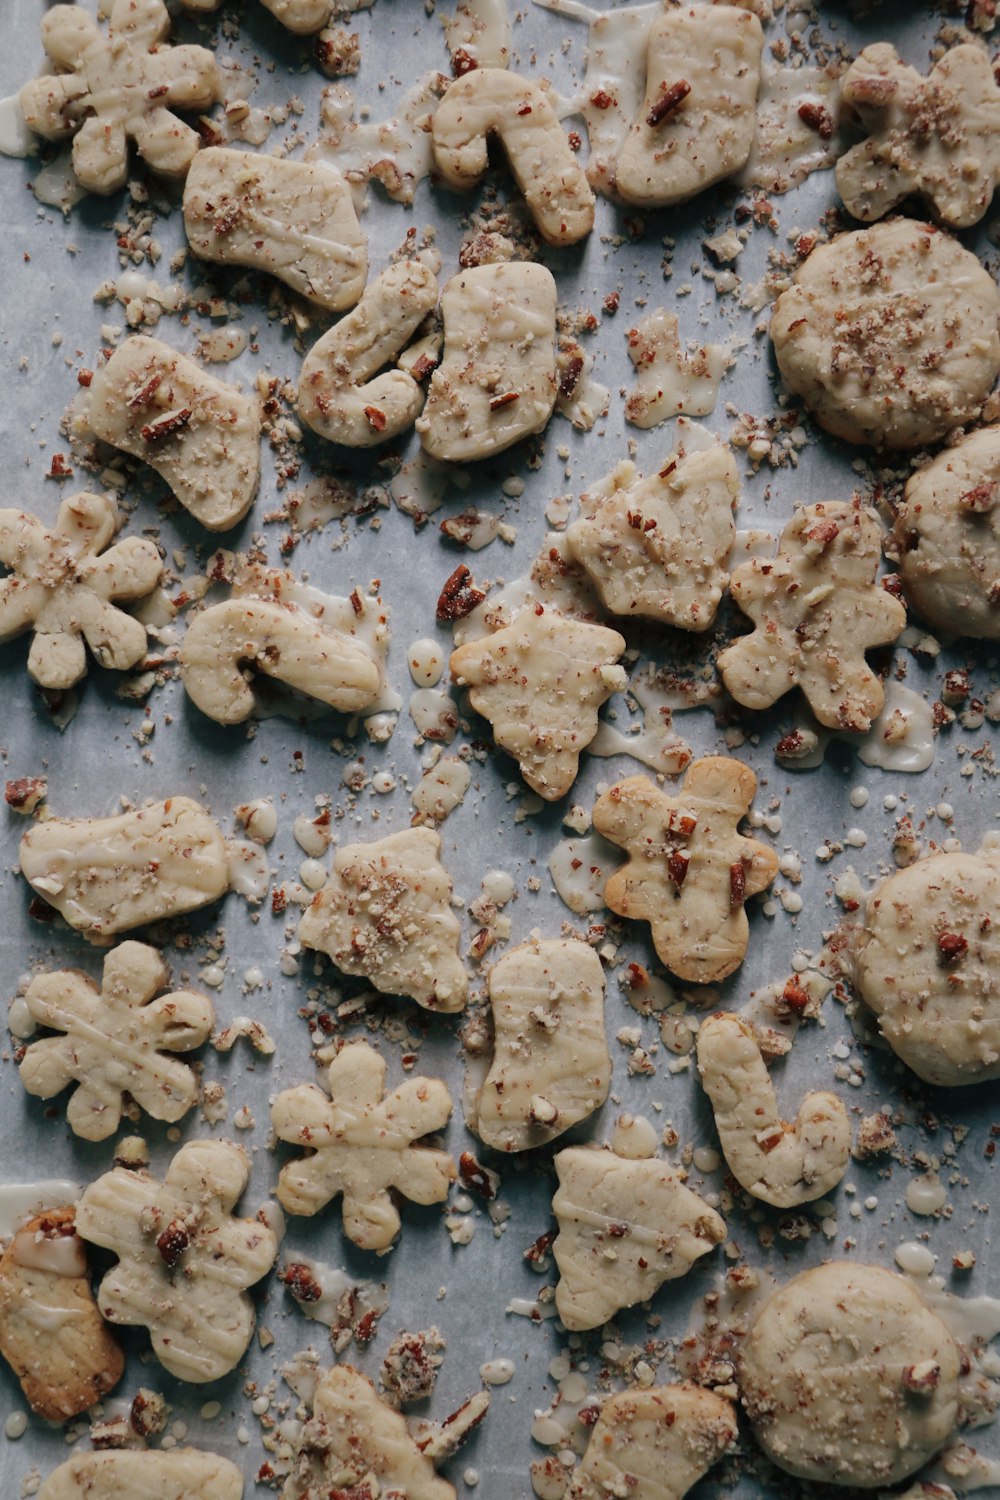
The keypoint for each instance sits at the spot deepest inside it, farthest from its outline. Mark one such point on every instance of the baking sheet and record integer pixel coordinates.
(50, 327)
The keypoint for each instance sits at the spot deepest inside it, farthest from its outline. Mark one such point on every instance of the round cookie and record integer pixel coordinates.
(890, 334)
(928, 962)
(849, 1377)
(947, 538)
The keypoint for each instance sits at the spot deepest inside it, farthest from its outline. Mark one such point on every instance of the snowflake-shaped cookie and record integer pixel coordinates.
(817, 609)
(361, 1145)
(116, 87)
(184, 1261)
(938, 136)
(689, 871)
(115, 1041)
(64, 585)
(540, 682)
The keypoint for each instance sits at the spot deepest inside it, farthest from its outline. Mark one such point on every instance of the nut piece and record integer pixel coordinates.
(699, 930)
(293, 219)
(385, 913)
(51, 1333)
(656, 547)
(192, 1300)
(360, 1144)
(625, 1227)
(500, 342)
(342, 396)
(491, 101)
(937, 136)
(693, 132)
(64, 586)
(551, 1067)
(107, 875)
(115, 1041)
(211, 459)
(654, 1444)
(779, 1163)
(177, 1474)
(817, 609)
(823, 1375)
(540, 681)
(119, 87)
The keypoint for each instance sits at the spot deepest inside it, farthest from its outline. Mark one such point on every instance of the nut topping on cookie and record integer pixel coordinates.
(653, 1444)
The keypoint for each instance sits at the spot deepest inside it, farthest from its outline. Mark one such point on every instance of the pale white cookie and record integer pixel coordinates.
(385, 913)
(115, 1041)
(304, 17)
(889, 334)
(65, 585)
(938, 136)
(551, 1067)
(848, 1377)
(497, 380)
(927, 965)
(779, 1163)
(107, 875)
(174, 1474)
(493, 101)
(342, 396)
(946, 537)
(654, 1444)
(120, 86)
(817, 607)
(657, 546)
(184, 1261)
(540, 681)
(699, 116)
(671, 380)
(360, 1144)
(625, 1227)
(689, 871)
(294, 219)
(51, 1333)
(200, 435)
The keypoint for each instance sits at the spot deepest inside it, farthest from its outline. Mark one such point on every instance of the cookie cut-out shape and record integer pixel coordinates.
(540, 681)
(654, 1444)
(848, 1377)
(817, 607)
(890, 334)
(625, 1227)
(107, 875)
(120, 86)
(174, 1474)
(926, 965)
(550, 1067)
(779, 1163)
(488, 101)
(937, 136)
(342, 396)
(657, 546)
(360, 1144)
(689, 872)
(946, 537)
(201, 435)
(699, 116)
(115, 1040)
(303, 17)
(65, 586)
(184, 1261)
(671, 380)
(51, 1333)
(385, 913)
(294, 219)
(497, 380)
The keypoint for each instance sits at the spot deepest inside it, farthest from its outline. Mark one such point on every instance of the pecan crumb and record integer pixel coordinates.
(459, 597)
(497, 403)
(668, 101)
(173, 1242)
(173, 421)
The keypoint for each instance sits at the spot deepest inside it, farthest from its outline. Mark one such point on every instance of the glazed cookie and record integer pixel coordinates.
(817, 608)
(946, 537)
(654, 1444)
(303, 17)
(849, 1378)
(51, 1333)
(926, 964)
(174, 1474)
(890, 335)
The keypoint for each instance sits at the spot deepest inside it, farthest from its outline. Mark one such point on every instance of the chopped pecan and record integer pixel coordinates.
(668, 101)
(737, 884)
(497, 403)
(477, 1177)
(817, 118)
(173, 1242)
(161, 427)
(952, 947)
(376, 418)
(301, 1282)
(459, 597)
(677, 866)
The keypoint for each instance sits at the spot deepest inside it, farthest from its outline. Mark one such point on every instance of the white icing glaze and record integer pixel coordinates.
(579, 869)
(20, 1201)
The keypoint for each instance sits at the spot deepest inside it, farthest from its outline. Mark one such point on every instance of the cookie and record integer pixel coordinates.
(174, 1474)
(653, 1444)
